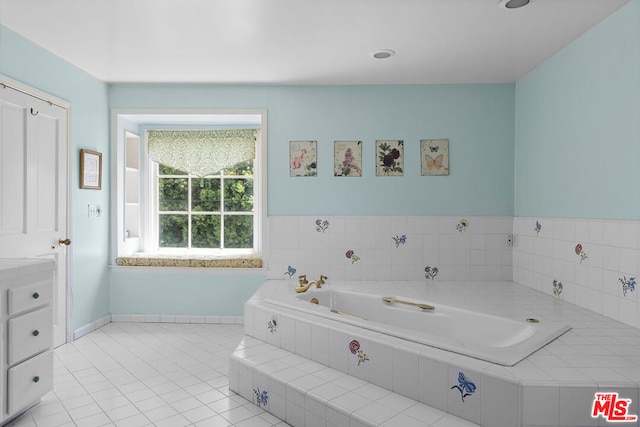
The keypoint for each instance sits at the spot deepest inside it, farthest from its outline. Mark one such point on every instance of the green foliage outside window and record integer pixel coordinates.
(214, 201)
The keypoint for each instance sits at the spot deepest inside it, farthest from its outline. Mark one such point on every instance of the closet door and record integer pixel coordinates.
(33, 188)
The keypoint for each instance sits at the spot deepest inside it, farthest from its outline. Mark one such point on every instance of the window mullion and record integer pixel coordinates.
(189, 211)
(222, 197)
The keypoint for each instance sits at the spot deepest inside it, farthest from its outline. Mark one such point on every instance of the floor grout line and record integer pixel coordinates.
(146, 374)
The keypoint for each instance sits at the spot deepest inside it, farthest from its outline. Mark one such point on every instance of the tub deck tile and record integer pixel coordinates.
(597, 354)
(326, 396)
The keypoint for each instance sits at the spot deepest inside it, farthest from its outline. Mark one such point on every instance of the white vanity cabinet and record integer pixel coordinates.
(26, 333)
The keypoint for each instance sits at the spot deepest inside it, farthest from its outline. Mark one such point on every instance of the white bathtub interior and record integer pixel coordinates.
(495, 339)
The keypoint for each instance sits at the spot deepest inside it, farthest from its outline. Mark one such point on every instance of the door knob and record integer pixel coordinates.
(63, 242)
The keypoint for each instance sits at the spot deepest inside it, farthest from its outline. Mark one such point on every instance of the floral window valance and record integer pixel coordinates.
(202, 152)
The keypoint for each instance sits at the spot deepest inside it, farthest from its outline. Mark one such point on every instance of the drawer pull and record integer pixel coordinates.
(36, 379)
(35, 295)
(35, 333)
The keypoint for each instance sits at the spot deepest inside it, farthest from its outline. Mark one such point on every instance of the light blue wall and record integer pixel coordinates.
(26, 63)
(167, 291)
(477, 119)
(574, 121)
(578, 126)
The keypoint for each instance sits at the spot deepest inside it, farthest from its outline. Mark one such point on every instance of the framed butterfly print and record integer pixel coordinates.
(434, 155)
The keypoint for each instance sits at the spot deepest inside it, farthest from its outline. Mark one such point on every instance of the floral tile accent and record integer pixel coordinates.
(557, 288)
(400, 240)
(462, 225)
(628, 285)
(290, 271)
(354, 348)
(272, 325)
(350, 254)
(582, 254)
(322, 225)
(262, 397)
(430, 272)
(465, 386)
(537, 228)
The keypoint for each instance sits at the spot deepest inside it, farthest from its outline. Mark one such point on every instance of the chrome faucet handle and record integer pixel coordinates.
(303, 279)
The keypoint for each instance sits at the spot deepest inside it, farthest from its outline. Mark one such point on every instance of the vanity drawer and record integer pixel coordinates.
(29, 381)
(29, 334)
(28, 297)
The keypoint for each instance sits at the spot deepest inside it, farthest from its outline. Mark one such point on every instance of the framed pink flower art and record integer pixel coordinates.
(303, 158)
(347, 158)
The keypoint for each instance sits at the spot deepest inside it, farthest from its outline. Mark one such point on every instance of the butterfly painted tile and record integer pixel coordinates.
(399, 240)
(465, 386)
(290, 271)
(628, 285)
(434, 155)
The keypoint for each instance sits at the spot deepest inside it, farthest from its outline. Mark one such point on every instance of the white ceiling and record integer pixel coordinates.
(303, 41)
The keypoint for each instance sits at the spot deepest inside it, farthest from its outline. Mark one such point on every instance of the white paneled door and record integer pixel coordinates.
(33, 188)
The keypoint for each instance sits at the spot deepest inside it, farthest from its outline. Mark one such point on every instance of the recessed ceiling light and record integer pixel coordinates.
(382, 53)
(514, 4)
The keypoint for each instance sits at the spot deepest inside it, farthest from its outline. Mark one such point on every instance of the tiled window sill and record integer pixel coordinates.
(187, 261)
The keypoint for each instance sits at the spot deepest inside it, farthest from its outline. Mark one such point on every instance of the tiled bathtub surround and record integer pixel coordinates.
(602, 279)
(554, 386)
(390, 247)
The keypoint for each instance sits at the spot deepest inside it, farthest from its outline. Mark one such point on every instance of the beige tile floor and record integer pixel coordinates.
(147, 374)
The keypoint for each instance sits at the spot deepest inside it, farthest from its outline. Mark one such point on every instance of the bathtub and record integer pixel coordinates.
(501, 340)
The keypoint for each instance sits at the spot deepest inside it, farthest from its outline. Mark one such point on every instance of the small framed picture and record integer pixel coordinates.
(434, 155)
(347, 158)
(90, 169)
(390, 158)
(303, 158)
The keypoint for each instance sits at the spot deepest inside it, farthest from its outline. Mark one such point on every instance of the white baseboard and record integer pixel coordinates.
(84, 330)
(156, 318)
(170, 318)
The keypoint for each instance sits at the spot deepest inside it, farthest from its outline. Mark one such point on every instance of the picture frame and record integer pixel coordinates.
(434, 156)
(390, 157)
(303, 159)
(347, 158)
(90, 170)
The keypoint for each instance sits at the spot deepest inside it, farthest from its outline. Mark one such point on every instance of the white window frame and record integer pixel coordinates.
(152, 213)
(194, 119)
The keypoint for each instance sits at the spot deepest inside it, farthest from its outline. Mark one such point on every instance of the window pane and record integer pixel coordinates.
(205, 231)
(166, 170)
(173, 231)
(205, 194)
(172, 194)
(244, 168)
(238, 195)
(238, 231)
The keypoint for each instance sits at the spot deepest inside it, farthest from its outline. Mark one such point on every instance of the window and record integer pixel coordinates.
(186, 211)
(213, 212)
